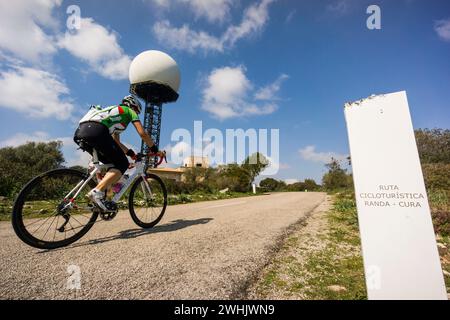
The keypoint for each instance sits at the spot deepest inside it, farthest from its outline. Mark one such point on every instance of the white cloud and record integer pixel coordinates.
(442, 28)
(161, 3)
(184, 38)
(309, 153)
(99, 47)
(180, 148)
(290, 16)
(273, 165)
(226, 95)
(23, 25)
(339, 7)
(115, 69)
(35, 92)
(72, 155)
(270, 92)
(22, 138)
(291, 181)
(212, 10)
(30, 33)
(178, 152)
(284, 166)
(255, 17)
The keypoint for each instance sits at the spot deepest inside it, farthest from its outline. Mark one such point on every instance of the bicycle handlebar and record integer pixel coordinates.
(160, 157)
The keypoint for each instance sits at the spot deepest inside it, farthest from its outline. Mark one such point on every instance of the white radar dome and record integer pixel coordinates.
(155, 66)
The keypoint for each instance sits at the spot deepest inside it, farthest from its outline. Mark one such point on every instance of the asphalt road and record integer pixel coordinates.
(206, 250)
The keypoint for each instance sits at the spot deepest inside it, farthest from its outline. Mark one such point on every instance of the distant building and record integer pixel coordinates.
(193, 161)
(177, 173)
(168, 173)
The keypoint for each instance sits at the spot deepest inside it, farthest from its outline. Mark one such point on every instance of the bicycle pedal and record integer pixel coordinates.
(108, 216)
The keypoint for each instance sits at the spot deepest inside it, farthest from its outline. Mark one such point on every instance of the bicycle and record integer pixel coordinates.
(60, 194)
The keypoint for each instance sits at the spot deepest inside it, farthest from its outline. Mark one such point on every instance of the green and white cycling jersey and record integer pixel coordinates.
(116, 118)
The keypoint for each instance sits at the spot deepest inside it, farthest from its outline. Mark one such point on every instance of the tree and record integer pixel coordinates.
(235, 177)
(434, 152)
(255, 164)
(20, 164)
(270, 184)
(79, 168)
(336, 177)
(240, 177)
(310, 185)
(436, 175)
(197, 178)
(296, 186)
(433, 145)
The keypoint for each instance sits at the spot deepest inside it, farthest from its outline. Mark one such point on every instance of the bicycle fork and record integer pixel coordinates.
(144, 186)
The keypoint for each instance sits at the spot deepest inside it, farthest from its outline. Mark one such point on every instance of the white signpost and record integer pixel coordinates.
(401, 259)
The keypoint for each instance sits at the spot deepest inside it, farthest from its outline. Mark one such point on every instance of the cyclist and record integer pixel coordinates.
(100, 130)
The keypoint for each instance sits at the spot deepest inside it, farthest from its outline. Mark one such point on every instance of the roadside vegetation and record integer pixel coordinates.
(322, 259)
(271, 185)
(336, 178)
(18, 165)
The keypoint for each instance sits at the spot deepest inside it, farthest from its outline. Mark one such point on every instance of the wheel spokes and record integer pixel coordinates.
(148, 201)
(46, 213)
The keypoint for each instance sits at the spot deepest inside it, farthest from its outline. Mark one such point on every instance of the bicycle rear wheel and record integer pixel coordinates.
(42, 215)
(147, 201)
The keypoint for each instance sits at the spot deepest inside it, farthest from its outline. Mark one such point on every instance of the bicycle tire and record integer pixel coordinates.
(17, 216)
(139, 222)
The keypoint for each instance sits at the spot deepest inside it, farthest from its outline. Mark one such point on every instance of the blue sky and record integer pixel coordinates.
(289, 65)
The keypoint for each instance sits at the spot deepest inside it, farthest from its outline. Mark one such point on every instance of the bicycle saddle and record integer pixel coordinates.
(83, 144)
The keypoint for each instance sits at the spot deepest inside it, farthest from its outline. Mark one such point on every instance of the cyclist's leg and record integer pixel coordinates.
(111, 177)
(110, 152)
(98, 137)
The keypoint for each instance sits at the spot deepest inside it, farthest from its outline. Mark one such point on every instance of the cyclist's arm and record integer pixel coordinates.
(144, 135)
(116, 138)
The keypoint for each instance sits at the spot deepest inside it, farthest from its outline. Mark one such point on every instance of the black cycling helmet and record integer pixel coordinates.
(133, 103)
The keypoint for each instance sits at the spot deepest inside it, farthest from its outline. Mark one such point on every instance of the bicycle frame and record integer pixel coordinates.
(139, 171)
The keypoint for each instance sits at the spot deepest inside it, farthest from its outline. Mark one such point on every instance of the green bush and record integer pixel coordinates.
(310, 185)
(235, 177)
(20, 164)
(433, 145)
(270, 184)
(434, 152)
(439, 199)
(336, 178)
(440, 210)
(344, 208)
(437, 175)
(441, 222)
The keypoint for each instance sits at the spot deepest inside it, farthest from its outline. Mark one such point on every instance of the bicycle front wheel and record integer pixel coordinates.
(148, 201)
(45, 214)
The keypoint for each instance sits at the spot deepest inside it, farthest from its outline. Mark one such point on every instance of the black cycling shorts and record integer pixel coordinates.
(96, 136)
